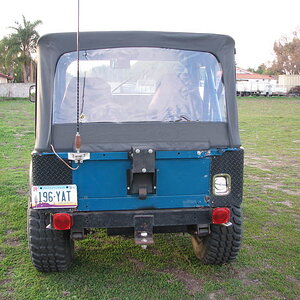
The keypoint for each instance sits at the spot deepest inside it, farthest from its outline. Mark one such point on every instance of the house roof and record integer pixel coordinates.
(244, 74)
(253, 76)
(6, 76)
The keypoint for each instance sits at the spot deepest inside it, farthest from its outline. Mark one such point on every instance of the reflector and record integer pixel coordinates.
(220, 215)
(62, 221)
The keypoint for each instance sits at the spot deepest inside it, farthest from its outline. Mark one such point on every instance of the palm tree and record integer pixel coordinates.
(22, 43)
(9, 61)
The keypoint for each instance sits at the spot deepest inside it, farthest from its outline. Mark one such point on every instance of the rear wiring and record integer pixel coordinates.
(74, 169)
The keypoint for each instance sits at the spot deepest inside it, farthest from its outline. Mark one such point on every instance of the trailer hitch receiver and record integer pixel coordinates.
(143, 229)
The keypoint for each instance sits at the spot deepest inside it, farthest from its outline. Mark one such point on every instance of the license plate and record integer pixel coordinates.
(54, 196)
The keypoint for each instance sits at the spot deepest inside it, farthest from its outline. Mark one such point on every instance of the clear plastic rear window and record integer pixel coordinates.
(139, 85)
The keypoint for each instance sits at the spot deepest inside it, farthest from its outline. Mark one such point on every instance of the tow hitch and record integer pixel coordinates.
(143, 230)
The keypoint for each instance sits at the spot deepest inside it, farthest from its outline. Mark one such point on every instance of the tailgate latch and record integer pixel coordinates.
(141, 178)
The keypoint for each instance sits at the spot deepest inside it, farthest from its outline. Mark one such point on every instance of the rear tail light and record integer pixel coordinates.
(220, 215)
(62, 221)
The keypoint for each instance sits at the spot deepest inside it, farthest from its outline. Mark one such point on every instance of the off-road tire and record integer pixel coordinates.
(50, 250)
(223, 243)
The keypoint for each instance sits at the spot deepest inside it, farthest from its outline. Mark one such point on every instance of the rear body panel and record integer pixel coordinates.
(183, 179)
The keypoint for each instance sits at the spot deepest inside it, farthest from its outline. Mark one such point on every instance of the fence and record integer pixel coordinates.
(264, 89)
(15, 90)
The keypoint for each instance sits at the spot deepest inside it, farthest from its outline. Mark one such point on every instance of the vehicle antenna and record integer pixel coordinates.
(77, 136)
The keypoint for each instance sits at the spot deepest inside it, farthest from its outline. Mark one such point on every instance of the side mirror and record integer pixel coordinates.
(32, 93)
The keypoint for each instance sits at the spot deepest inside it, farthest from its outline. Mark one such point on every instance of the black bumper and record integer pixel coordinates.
(125, 219)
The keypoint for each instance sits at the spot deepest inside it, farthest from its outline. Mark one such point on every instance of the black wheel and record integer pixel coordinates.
(223, 243)
(50, 250)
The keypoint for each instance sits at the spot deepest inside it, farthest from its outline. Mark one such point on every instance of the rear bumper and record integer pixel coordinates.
(126, 219)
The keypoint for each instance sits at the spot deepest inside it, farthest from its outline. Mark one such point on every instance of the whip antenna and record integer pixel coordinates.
(77, 136)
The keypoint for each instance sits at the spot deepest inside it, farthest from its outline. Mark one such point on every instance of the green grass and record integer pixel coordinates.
(13, 98)
(114, 268)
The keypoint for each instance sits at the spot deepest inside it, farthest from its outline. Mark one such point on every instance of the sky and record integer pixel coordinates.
(254, 24)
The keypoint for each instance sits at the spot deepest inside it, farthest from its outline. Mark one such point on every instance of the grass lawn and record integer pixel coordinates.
(114, 268)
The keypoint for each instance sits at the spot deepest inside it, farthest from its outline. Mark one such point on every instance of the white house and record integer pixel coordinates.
(249, 83)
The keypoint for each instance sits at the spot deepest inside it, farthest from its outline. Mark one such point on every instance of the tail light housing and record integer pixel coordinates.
(220, 215)
(62, 221)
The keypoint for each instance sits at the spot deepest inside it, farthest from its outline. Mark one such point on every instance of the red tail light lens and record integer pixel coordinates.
(62, 221)
(220, 215)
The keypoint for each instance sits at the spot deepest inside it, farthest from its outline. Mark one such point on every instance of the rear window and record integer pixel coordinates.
(139, 85)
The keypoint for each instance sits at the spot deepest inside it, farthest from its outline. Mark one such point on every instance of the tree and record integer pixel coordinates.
(6, 61)
(262, 69)
(252, 70)
(9, 61)
(287, 57)
(287, 51)
(21, 45)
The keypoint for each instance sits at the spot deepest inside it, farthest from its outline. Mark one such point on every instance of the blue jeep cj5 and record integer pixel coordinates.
(159, 151)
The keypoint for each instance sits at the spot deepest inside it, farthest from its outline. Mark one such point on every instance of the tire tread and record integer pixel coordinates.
(223, 243)
(50, 250)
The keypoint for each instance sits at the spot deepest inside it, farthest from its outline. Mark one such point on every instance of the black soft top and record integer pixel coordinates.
(122, 136)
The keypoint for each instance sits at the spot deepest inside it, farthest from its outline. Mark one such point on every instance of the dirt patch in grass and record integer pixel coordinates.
(2, 256)
(8, 294)
(293, 280)
(192, 284)
(10, 231)
(155, 251)
(19, 135)
(243, 275)
(252, 162)
(65, 294)
(138, 265)
(5, 281)
(274, 211)
(15, 168)
(287, 203)
(278, 187)
(266, 164)
(256, 178)
(13, 242)
(219, 295)
(23, 192)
